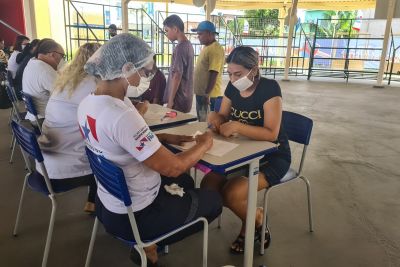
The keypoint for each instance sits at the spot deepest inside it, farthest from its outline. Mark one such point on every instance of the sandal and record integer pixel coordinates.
(238, 245)
(258, 235)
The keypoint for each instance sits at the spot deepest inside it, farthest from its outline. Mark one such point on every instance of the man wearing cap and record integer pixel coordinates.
(112, 30)
(208, 70)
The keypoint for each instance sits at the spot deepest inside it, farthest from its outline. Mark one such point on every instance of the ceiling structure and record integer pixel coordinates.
(276, 4)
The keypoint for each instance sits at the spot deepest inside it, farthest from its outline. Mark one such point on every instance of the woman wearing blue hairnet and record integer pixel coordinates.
(114, 128)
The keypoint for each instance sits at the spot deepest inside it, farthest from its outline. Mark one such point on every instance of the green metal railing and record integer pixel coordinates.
(319, 49)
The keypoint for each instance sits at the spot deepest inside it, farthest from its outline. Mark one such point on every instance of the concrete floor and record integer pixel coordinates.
(353, 164)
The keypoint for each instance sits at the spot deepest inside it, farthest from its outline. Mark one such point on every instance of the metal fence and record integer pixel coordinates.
(324, 48)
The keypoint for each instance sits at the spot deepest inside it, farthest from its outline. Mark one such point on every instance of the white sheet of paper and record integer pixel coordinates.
(218, 149)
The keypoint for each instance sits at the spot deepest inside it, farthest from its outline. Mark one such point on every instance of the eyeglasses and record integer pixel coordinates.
(148, 73)
(61, 54)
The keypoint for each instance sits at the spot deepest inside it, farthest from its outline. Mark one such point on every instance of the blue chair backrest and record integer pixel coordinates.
(217, 105)
(297, 127)
(30, 106)
(110, 176)
(26, 138)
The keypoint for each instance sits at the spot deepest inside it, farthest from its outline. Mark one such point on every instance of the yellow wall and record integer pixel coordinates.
(50, 24)
(43, 28)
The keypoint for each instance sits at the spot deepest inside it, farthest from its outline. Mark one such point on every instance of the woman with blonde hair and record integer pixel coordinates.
(62, 143)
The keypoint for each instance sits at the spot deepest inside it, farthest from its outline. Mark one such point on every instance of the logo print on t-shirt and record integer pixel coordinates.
(142, 143)
(92, 127)
(145, 139)
(85, 131)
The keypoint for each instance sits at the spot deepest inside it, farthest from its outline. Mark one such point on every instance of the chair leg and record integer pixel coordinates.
(12, 140)
(142, 254)
(91, 244)
(21, 199)
(11, 115)
(310, 221)
(50, 231)
(264, 222)
(205, 243)
(12, 151)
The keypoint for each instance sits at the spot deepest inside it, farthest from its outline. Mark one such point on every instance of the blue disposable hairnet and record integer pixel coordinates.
(119, 57)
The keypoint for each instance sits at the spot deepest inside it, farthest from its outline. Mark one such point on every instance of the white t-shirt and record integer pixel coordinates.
(12, 63)
(38, 81)
(62, 144)
(115, 129)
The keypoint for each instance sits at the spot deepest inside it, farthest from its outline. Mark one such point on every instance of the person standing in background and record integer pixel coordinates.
(112, 30)
(208, 70)
(179, 91)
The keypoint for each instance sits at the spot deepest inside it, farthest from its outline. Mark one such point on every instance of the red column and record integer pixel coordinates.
(12, 13)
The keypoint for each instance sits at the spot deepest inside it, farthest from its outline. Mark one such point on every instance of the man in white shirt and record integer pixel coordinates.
(40, 74)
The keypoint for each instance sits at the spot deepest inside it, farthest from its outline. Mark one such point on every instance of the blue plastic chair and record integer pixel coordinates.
(30, 107)
(298, 129)
(112, 178)
(15, 114)
(26, 139)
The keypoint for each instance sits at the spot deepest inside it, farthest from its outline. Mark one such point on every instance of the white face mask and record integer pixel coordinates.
(136, 91)
(243, 83)
(23, 47)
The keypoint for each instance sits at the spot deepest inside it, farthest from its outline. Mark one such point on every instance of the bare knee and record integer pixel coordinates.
(213, 181)
(235, 190)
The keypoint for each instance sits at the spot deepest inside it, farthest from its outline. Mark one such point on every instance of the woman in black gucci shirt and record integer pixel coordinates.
(252, 107)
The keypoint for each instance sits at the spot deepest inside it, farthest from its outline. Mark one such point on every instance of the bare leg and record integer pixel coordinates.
(234, 195)
(213, 181)
(151, 253)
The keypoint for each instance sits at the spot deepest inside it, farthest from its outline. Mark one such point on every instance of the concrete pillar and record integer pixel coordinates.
(208, 10)
(390, 13)
(292, 22)
(125, 23)
(30, 19)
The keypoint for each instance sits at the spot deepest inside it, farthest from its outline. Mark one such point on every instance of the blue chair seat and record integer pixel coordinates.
(37, 183)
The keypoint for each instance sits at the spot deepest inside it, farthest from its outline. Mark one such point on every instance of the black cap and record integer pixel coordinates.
(112, 27)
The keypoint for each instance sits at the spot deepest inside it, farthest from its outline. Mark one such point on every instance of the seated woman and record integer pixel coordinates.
(252, 107)
(62, 143)
(156, 89)
(114, 128)
(23, 59)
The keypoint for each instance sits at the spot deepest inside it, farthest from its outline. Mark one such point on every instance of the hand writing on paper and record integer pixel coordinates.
(229, 128)
(204, 139)
(214, 121)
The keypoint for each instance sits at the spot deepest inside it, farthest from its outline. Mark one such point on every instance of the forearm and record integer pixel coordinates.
(257, 132)
(212, 80)
(175, 81)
